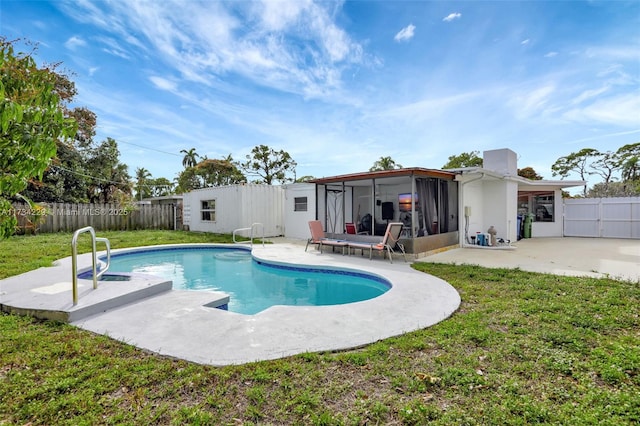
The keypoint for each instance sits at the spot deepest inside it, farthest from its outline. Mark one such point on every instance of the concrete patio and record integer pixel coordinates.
(591, 257)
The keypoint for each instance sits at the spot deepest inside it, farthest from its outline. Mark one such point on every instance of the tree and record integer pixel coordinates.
(219, 172)
(188, 180)
(143, 189)
(160, 187)
(87, 122)
(628, 157)
(466, 159)
(631, 169)
(384, 163)
(190, 158)
(31, 121)
(303, 179)
(529, 173)
(575, 162)
(110, 178)
(614, 189)
(66, 179)
(269, 165)
(605, 164)
(210, 172)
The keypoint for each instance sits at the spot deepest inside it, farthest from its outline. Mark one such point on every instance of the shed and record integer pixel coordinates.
(224, 209)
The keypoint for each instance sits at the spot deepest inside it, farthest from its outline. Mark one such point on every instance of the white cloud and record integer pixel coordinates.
(74, 42)
(427, 108)
(334, 40)
(551, 54)
(622, 110)
(406, 33)
(527, 41)
(291, 46)
(452, 16)
(589, 94)
(163, 84)
(93, 70)
(277, 15)
(532, 102)
(113, 47)
(618, 53)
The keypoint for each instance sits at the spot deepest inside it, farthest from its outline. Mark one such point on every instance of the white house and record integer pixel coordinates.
(494, 195)
(439, 208)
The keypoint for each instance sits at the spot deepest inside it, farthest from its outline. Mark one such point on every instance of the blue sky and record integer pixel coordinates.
(340, 84)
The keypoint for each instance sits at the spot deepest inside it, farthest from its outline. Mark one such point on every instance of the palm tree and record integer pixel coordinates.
(142, 175)
(190, 158)
(385, 163)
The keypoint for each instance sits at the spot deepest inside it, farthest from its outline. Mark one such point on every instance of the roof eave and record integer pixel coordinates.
(415, 171)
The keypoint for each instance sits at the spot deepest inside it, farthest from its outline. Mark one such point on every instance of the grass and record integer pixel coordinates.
(523, 348)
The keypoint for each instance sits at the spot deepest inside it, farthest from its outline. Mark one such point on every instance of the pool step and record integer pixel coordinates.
(116, 294)
(54, 302)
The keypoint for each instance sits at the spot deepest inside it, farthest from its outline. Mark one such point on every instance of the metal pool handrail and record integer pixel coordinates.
(74, 259)
(108, 245)
(253, 225)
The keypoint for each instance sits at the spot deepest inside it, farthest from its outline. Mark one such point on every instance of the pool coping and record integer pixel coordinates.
(179, 323)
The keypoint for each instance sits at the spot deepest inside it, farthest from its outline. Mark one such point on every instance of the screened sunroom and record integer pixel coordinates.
(424, 200)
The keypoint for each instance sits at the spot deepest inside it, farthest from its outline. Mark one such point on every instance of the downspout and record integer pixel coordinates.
(462, 206)
(344, 207)
(373, 206)
(316, 206)
(326, 207)
(414, 217)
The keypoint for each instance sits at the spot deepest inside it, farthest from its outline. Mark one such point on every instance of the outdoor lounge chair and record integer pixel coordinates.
(318, 238)
(351, 228)
(389, 242)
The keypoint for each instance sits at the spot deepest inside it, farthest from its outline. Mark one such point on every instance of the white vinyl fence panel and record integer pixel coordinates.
(602, 217)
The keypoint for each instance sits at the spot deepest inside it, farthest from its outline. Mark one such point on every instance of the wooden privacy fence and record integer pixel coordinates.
(67, 217)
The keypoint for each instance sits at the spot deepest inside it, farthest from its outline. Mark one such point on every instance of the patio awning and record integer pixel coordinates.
(364, 178)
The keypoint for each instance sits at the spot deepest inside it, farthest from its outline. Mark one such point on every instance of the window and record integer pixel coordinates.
(300, 204)
(539, 204)
(543, 208)
(208, 211)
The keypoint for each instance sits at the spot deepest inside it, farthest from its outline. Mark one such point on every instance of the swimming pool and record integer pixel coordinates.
(252, 285)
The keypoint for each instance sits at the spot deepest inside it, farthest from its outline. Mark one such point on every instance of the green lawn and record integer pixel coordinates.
(523, 348)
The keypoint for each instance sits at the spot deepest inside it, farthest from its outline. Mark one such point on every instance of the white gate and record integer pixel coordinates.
(602, 217)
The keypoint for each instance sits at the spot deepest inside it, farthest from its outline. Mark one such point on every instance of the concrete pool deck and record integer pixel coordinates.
(590, 257)
(180, 324)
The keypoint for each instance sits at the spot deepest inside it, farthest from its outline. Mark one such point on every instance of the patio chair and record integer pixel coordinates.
(389, 242)
(318, 238)
(351, 228)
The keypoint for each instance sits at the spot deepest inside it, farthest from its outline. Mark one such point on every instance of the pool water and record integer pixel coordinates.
(252, 286)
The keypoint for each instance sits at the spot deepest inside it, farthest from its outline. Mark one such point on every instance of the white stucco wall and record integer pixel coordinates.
(500, 208)
(551, 229)
(471, 195)
(493, 202)
(502, 161)
(296, 224)
(237, 206)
